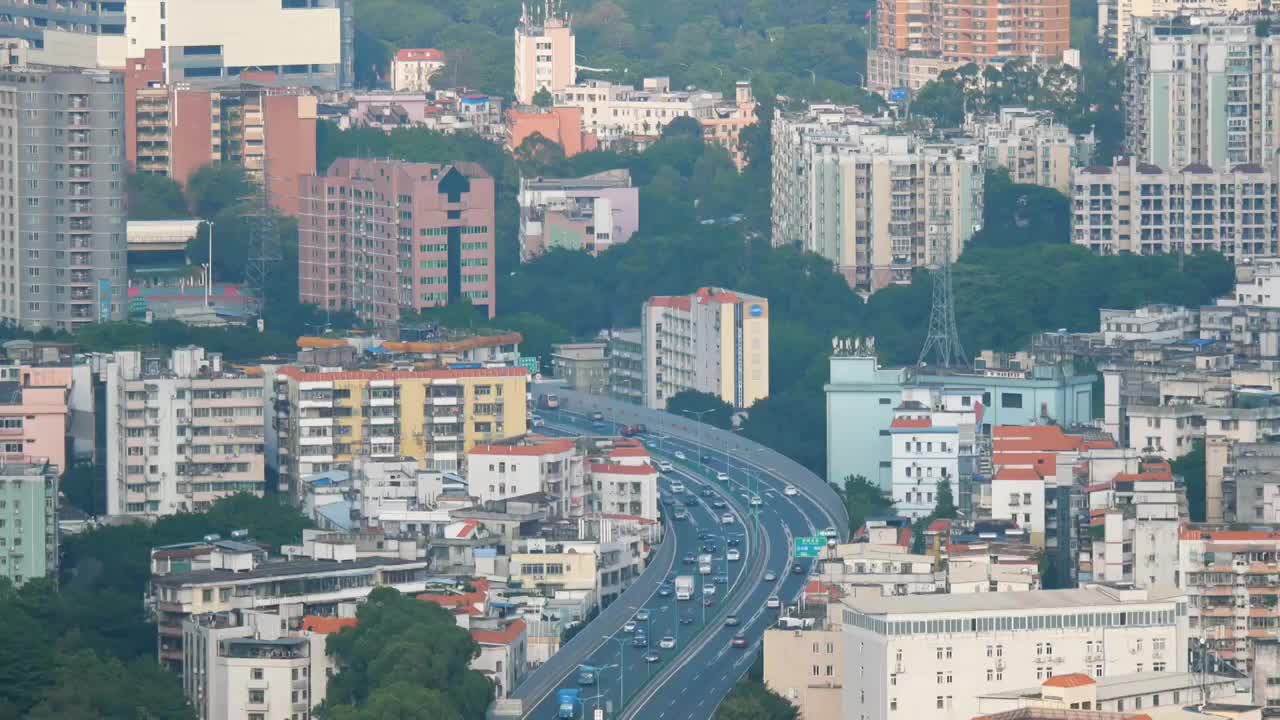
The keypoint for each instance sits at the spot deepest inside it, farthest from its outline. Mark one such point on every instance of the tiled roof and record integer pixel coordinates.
(911, 423)
(1044, 438)
(505, 636)
(667, 301)
(326, 625)
(1017, 473)
(622, 452)
(416, 54)
(1069, 680)
(616, 469)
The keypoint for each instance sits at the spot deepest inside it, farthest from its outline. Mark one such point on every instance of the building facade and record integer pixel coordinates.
(269, 131)
(1031, 146)
(1139, 208)
(583, 366)
(592, 213)
(877, 205)
(35, 414)
(1201, 92)
(377, 236)
(29, 515)
(182, 432)
(1120, 20)
(545, 50)
(413, 68)
(65, 243)
(714, 341)
(955, 33)
(1229, 576)
(302, 43)
(435, 416)
(626, 365)
(932, 656)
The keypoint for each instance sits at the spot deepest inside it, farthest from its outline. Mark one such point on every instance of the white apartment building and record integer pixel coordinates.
(1119, 20)
(552, 466)
(413, 68)
(1160, 695)
(714, 341)
(595, 569)
(1135, 518)
(1201, 90)
(545, 51)
(614, 112)
(255, 665)
(182, 432)
(932, 431)
(932, 656)
(626, 484)
(1149, 323)
(1137, 207)
(893, 570)
(876, 205)
(1031, 145)
(1257, 285)
(305, 42)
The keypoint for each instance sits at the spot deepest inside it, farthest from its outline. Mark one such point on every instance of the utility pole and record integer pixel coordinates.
(943, 341)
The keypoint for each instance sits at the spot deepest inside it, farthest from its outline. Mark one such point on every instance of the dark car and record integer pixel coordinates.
(708, 601)
(734, 541)
(719, 505)
(686, 619)
(798, 569)
(664, 590)
(689, 559)
(739, 641)
(731, 621)
(708, 492)
(710, 547)
(721, 579)
(640, 641)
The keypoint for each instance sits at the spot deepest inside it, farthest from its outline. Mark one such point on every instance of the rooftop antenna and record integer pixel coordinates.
(943, 341)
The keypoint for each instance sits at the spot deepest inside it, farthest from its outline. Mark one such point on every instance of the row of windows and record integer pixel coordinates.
(1144, 618)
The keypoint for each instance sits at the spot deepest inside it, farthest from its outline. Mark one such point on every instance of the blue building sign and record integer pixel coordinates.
(757, 310)
(104, 300)
(899, 95)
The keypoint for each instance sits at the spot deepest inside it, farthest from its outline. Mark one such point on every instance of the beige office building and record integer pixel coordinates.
(714, 341)
(545, 51)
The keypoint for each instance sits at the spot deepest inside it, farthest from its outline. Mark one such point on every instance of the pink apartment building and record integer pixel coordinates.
(35, 415)
(379, 236)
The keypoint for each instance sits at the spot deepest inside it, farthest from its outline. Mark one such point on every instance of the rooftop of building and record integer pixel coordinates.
(703, 296)
(617, 178)
(529, 446)
(419, 55)
(990, 602)
(327, 625)
(1110, 687)
(387, 372)
(281, 568)
(1039, 713)
(507, 634)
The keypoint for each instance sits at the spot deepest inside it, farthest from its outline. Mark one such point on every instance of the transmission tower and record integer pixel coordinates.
(264, 236)
(943, 341)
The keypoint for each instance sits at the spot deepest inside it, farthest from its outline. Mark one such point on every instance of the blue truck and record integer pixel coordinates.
(567, 700)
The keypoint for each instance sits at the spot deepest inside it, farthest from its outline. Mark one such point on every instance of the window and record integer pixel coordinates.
(1158, 667)
(257, 696)
(893, 703)
(1011, 400)
(256, 673)
(939, 702)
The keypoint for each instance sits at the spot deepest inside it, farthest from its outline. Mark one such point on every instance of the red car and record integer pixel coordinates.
(739, 641)
(632, 430)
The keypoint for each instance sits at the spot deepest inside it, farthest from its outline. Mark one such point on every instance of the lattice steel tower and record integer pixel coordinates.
(943, 340)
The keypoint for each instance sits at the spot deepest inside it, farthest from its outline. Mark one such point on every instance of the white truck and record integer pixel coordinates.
(704, 564)
(684, 587)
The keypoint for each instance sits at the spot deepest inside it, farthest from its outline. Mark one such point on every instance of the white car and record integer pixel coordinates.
(722, 477)
(790, 491)
(773, 603)
(664, 466)
(708, 590)
(667, 643)
(756, 501)
(726, 519)
(629, 627)
(733, 554)
(680, 455)
(677, 488)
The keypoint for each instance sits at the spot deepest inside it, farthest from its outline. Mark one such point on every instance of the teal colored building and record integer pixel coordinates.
(861, 397)
(28, 521)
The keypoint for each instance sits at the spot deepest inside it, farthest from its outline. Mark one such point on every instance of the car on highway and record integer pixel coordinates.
(830, 533)
(719, 505)
(726, 519)
(652, 657)
(677, 487)
(707, 493)
(708, 601)
(770, 576)
(667, 643)
(739, 641)
(733, 555)
(680, 515)
(731, 621)
(710, 547)
(686, 619)
(722, 477)
(629, 627)
(798, 569)
(640, 641)
(689, 559)
(664, 590)
(734, 540)
(721, 580)
(790, 491)
(756, 501)
(708, 590)
(773, 603)
(536, 421)
(642, 616)
(664, 466)
(679, 455)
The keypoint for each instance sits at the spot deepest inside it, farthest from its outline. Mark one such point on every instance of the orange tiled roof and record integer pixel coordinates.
(911, 423)
(505, 636)
(621, 452)
(326, 625)
(1069, 680)
(1010, 472)
(1045, 438)
(667, 301)
(617, 469)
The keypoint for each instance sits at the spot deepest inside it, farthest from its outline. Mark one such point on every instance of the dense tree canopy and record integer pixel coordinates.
(154, 197)
(404, 659)
(1191, 468)
(752, 700)
(708, 408)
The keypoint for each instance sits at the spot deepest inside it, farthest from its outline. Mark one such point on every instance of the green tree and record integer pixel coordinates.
(216, 187)
(863, 500)
(751, 700)
(693, 404)
(945, 508)
(543, 98)
(1191, 468)
(536, 155)
(154, 197)
(683, 128)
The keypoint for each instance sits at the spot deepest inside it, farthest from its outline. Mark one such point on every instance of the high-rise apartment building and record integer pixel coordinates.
(1136, 207)
(917, 39)
(546, 53)
(714, 341)
(1118, 20)
(877, 205)
(379, 236)
(302, 42)
(175, 130)
(1033, 147)
(1229, 576)
(436, 416)
(1202, 91)
(182, 432)
(63, 242)
(28, 520)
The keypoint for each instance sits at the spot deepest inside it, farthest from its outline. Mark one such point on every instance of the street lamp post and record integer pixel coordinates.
(622, 670)
(698, 414)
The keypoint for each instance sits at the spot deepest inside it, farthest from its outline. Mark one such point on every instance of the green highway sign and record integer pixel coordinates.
(810, 547)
